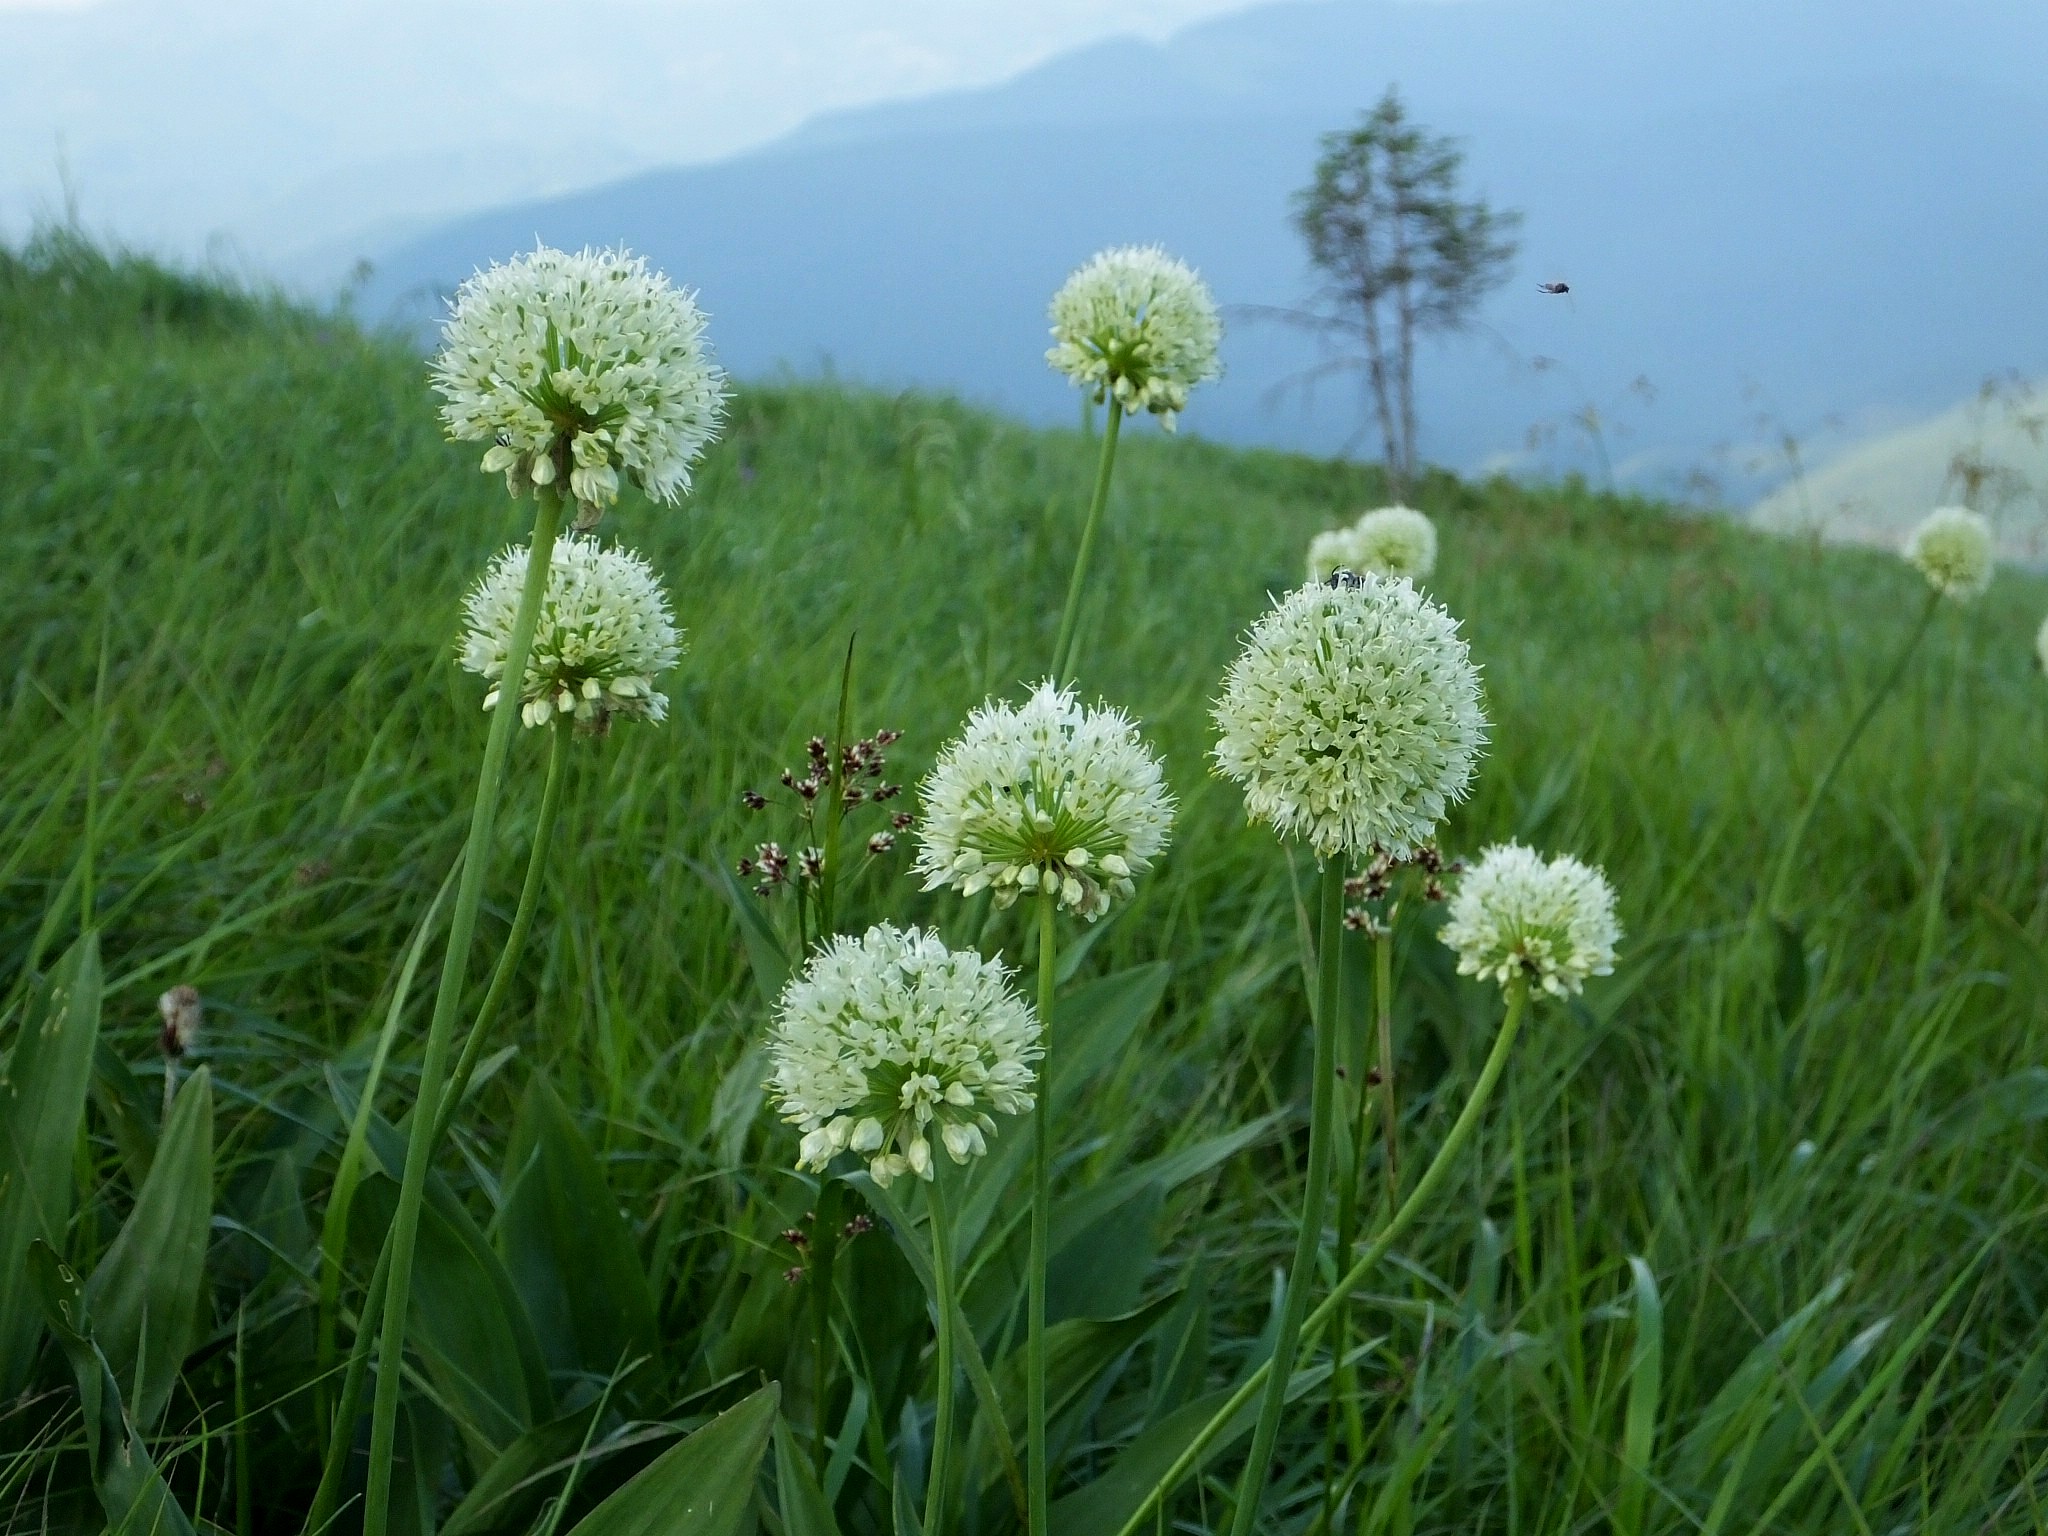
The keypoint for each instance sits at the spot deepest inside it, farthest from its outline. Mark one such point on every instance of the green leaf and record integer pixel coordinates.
(1645, 1385)
(1181, 1357)
(568, 1249)
(125, 1105)
(1790, 977)
(1994, 1109)
(805, 1509)
(42, 1102)
(1077, 1351)
(1746, 1393)
(467, 1326)
(133, 1493)
(1101, 1271)
(508, 1494)
(765, 952)
(1106, 1505)
(702, 1486)
(144, 1294)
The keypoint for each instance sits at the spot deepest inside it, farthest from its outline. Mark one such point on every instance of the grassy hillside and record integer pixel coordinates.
(232, 549)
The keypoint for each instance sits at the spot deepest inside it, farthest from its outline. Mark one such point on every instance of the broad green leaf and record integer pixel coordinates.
(1077, 1351)
(804, 1508)
(468, 1326)
(42, 1101)
(1101, 1271)
(1645, 1387)
(1105, 1506)
(1074, 1213)
(508, 1495)
(1181, 1358)
(144, 1294)
(702, 1486)
(133, 1493)
(1792, 1428)
(128, 1110)
(1090, 1026)
(988, 1401)
(765, 951)
(568, 1249)
(1746, 1394)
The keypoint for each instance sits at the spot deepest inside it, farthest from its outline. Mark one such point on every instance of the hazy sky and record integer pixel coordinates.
(274, 128)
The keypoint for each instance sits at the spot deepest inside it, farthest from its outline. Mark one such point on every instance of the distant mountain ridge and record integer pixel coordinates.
(1786, 209)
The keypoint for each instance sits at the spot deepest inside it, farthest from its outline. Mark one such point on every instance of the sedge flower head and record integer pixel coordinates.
(1953, 549)
(604, 635)
(1044, 796)
(1517, 917)
(1352, 717)
(891, 1044)
(588, 364)
(1137, 324)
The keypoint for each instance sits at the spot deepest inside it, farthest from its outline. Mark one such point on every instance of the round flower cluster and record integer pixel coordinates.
(1389, 541)
(1352, 717)
(1953, 549)
(1517, 918)
(1138, 324)
(2041, 645)
(1044, 796)
(891, 1040)
(589, 363)
(605, 633)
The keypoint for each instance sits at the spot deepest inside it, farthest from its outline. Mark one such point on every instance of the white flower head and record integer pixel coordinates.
(891, 1043)
(1953, 549)
(1044, 796)
(588, 363)
(604, 635)
(1352, 717)
(1137, 324)
(2041, 645)
(1519, 918)
(1388, 541)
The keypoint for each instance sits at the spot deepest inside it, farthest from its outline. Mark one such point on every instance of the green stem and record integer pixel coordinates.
(1390, 1109)
(1788, 860)
(515, 939)
(1063, 650)
(942, 1421)
(447, 1002)
(1308, 1239)
(1418, 1200)
(835, 803)
(824, 1256)
(343, 1428)
(1038, 1476)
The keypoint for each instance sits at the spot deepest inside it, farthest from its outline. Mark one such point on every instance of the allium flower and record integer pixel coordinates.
(1352, 717)
(1136, 323)
(1331, 551)
(605, 633)
(1046, 795)
(590, 354)
(1952, 548)
(1516, 917)
(2041, 645)
(890, 1041)
(1396, 541)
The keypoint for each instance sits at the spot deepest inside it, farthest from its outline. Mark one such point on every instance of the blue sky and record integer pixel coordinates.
(267, 130)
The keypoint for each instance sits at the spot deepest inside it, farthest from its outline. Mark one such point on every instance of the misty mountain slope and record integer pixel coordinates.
(1859, 244)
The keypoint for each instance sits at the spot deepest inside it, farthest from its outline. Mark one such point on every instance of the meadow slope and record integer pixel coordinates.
(232, 550)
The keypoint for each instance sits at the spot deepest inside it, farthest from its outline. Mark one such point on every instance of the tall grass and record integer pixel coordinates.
(1751, 1241)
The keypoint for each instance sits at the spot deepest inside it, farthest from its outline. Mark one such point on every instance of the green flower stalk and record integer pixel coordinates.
(572, 369)
(1527, 924)
(1952, 547)
(1352, 719)
(1067, 804)
(1138, 329)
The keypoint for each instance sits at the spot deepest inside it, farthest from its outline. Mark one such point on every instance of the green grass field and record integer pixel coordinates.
(232, 549)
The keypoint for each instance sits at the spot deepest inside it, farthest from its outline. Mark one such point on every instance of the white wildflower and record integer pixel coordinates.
(605, 633)
(1517, 918)
(1046, 796)
(1136, 323)
(1331, 551)
(1352, 717)
(2041, 645)
(587, 363)
(1953, 549)
(891, 1042)
(1389, 541)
